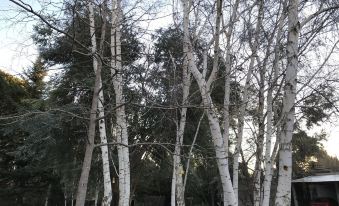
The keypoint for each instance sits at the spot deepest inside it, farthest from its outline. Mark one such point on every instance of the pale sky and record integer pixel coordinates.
(16, 47)
(332, 144)
(17, 52)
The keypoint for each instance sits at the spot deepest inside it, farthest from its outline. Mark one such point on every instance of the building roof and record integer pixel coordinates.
(319, 178)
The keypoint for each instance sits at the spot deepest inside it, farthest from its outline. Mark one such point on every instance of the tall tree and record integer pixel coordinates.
(86, 165)
(178, 169)
(283, 196)
(120, 127)
(245, 97)
(97, 62)
(210, 110)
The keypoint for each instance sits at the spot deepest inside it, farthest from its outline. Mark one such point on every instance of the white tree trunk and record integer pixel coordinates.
(220, 151)
(107, 198)
(216, 48)
(258, 193)
(191, 149)
(174, 179)
(260, 140)
(178, 169)
(121, 122)
(86, 166)
(268, 143)
(48, 194)
(243, 106)
(228, 65)
(283, 196)
(65, 199)
(96, 196)
(177, 190)
(268, 159)
(180, 190)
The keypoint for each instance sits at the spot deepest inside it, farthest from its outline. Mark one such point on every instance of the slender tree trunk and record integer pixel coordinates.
(65, 199)
(221, 154)
(121, 122)
(260, 140)
(243, 106)
(174, 180)
(258, 189)
(48, 194)
(268, 143)
(96, 196)
(269, 127)
(267, 159)
(178, 168)
(86, 166)
(191, 149)
(228, 65)
(179, 172)
(107, 198)
(216, 48)
(283, 196)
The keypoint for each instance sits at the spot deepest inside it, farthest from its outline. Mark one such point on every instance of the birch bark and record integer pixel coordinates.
(65, 199)
(210, 110)
(228, 65)
(242, 111)
(107, 198)
(283, 196)
(258, 187)
(86, 165)
(178, 170)
(48, 194)
(269, 127)
(174, 179)
(260, 138)
(121, 122)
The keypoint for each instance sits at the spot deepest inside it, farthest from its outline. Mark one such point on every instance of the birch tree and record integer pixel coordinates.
(283, 196)
(120, 128)
(86, 165)
(178, 189)
(107, 198)
(210, 110)
(228, 67)
(269, 158)
(245, 98)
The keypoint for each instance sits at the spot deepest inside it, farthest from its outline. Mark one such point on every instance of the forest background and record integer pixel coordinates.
(50, 86)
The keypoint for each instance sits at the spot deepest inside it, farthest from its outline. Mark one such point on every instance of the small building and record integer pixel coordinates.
(317, 190)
